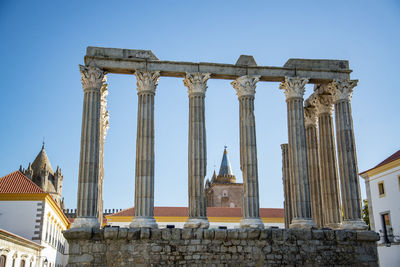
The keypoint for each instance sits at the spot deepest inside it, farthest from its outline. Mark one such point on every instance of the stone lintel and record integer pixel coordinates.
(317, 64)
(120, 53)
(128, 65)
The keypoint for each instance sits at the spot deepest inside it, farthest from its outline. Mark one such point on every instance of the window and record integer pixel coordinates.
(22, 263)
(381, 189)
(3, 260)
(386, 227)
(398, 179)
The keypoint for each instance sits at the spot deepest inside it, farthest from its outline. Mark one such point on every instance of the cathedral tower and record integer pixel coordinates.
(222, 190)
(42, 174)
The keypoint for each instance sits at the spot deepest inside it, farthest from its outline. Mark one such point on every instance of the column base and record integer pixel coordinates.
(197, 223)
(251, 223)
(333, 225)
(143, 222)
(354, 225)
(302, 224)
(85, 222)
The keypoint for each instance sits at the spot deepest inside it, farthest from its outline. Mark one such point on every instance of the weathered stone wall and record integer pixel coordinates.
(115, 246)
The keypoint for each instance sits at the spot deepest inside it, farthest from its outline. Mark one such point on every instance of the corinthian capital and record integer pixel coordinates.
(196, 83)
(92, 77)
(245, 85)
(324, 104)
(342, 89)
(310, 116)
(294, 87)
(147, 81)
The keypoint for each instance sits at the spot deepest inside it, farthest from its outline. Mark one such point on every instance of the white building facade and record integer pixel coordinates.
(28, 212)
(383, 192)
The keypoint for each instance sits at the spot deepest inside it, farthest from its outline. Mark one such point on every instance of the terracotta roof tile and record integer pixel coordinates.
(211, 212)
(16, 183)
(391, 158)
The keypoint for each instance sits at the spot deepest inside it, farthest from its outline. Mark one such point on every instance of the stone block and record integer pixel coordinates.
(277, 234)
(144, 233)
(111, 232)
(187, 233)
(78, 233)
(155, 234)
(133, 233)
(156, 248)
(198, 233)
(74, 248)
(123, 233)
(220, 234)
(81, 259)
(166, 234)
(176, 233)
(243, 233)
(232, 234)
(253, 233)
(367, 236)
(208, 234)
(329, 234)
(318, 234)
(301, 234)
(265, 234)
(97, 234)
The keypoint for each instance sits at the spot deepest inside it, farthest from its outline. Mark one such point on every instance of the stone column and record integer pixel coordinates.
(310, 121)
(144, 171)
(327, 158)
(197, 150)
(286, 185)
(350, 185)
(93, 80)
(104, 125)
(245, 87)
(298, 164)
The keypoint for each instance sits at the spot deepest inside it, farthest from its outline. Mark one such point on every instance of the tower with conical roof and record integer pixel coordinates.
(222, 190)
(42, 174)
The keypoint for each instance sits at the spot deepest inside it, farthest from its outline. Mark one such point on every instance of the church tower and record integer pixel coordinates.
(222, 190)
(42, 174)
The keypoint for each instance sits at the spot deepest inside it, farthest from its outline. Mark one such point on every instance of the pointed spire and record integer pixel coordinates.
(42, 162)
(225, 169)
(214, 177)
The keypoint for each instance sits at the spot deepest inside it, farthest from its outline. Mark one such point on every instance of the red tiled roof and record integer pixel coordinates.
(211, 212)
(393, 157)
(16, 182)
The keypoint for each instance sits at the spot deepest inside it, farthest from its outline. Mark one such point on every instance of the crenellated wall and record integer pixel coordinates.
(113, 246)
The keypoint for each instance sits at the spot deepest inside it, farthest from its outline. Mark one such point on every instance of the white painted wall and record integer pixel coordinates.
(388, 256)
(19, 217)
(50, 251)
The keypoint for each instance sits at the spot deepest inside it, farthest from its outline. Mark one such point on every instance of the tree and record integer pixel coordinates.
(365, 213)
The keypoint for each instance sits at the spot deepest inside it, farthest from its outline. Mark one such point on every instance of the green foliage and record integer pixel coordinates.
(365, 213)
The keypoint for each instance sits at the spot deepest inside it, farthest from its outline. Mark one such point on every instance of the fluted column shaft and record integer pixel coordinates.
(327, 161)
(286, 185)
(245, 88)
(197, 150)
(144, 171)
(347, 158)
(313, 165)
(294, 91)
(89, 163)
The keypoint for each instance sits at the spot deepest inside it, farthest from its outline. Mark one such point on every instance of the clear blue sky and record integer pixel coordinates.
(42, 43)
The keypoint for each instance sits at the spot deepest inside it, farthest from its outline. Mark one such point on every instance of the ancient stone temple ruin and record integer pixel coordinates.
(316, 234)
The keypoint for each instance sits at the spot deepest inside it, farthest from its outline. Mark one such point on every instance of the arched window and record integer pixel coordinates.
(22, 263)
(3, 260)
